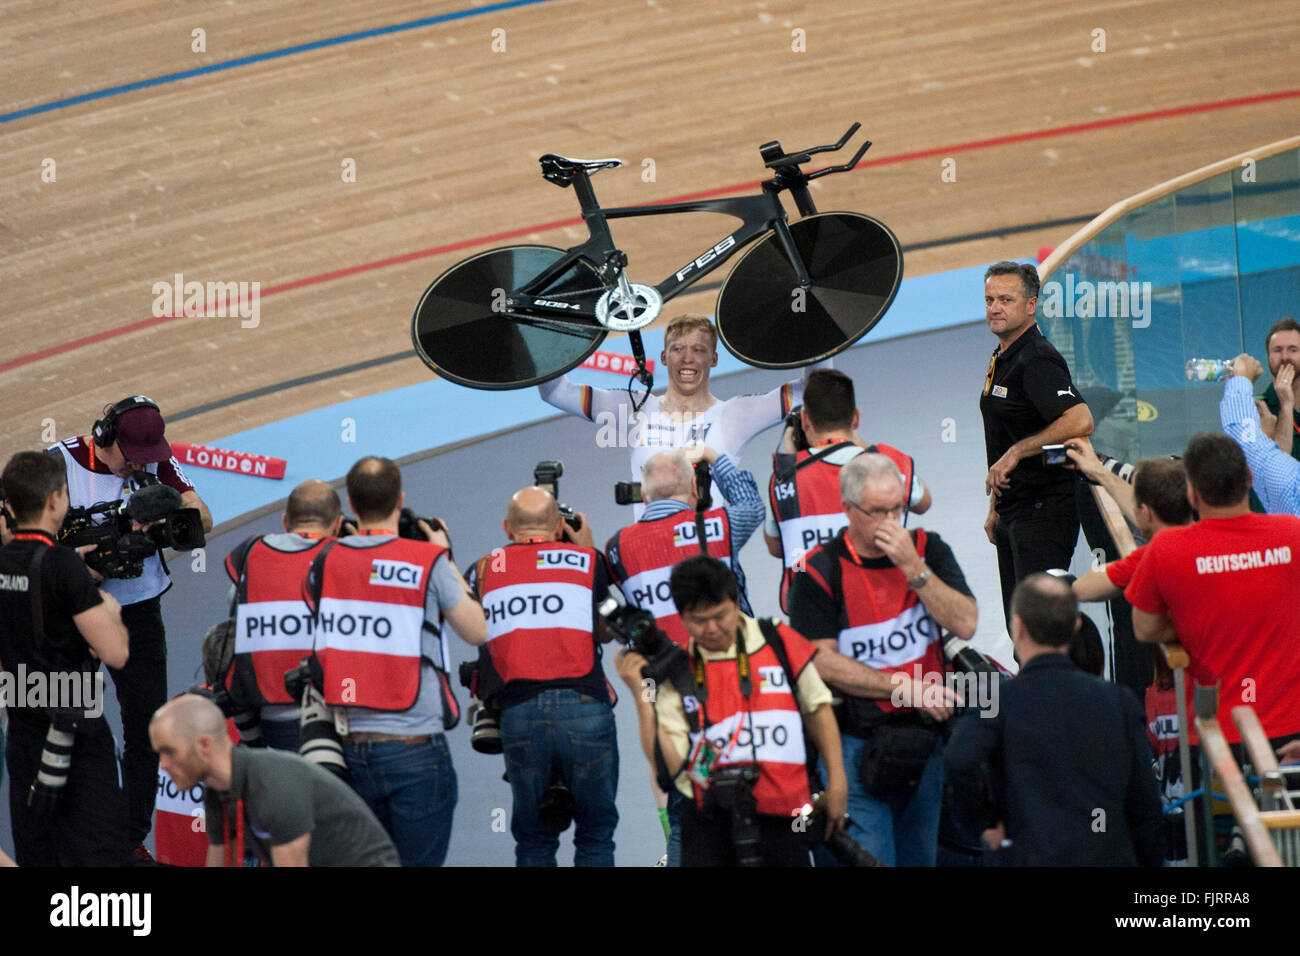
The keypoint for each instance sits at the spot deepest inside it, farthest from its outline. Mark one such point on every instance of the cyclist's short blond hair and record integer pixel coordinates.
(691, 322)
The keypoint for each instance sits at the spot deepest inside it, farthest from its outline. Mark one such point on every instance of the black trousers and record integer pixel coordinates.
(706, 839)
(141, 690)
(1037, 535)
(88, 824)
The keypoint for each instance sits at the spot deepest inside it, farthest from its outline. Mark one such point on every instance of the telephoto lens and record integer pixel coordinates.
(486, 721)
(965, 658)
(56, 762)
(318, 740)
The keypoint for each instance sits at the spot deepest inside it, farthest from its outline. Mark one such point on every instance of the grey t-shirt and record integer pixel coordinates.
(284, 797)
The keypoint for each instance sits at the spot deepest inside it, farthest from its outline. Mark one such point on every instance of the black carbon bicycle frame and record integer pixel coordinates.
(756, 213)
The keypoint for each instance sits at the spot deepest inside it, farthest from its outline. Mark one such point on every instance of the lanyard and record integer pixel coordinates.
(44, 536)
(988, 376)
(869, 591)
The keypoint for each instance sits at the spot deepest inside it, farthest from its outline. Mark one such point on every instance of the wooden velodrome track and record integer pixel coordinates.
(236, 174)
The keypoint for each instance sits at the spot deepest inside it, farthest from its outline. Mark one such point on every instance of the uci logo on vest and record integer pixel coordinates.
(684, 533)
(396, 574)
(772, 680)
(563, 560)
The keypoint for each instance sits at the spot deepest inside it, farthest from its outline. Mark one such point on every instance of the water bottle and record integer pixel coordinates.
(1208, 370)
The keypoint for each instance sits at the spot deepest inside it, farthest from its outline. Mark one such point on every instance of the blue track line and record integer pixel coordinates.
(262, 57)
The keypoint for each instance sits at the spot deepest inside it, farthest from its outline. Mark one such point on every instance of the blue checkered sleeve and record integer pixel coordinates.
(1277, 474)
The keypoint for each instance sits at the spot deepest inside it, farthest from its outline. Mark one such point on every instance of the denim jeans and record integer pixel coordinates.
(675, 803)
(562, 729)
(899, 831)
(411, 788)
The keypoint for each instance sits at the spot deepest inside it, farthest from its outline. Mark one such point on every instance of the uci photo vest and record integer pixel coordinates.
(274, 628)
(538, 601)
(643, 556)
(804, 496)
(369, 622)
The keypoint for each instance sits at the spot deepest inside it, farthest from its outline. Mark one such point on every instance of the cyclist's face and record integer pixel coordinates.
(689, 358)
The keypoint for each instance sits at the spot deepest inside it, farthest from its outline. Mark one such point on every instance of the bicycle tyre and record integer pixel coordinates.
(856, 266)
(458, 334)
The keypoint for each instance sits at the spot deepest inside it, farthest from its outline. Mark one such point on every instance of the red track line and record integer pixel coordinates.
(688, 197)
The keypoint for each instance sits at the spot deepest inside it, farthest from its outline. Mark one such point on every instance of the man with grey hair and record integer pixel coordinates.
(874, 600)
(1028, 401)
(671, 529)
(643, 554)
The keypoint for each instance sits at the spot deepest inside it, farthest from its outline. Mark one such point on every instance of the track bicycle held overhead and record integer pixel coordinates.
(522, 315)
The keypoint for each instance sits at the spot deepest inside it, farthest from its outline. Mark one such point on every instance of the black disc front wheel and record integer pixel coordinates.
(464, 330)
(766, 319)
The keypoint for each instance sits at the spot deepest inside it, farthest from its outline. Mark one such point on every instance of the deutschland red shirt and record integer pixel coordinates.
(1230, 586)
(1121, 572)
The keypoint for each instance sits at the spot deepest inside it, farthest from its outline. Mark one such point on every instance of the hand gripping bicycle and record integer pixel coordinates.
(522, 315)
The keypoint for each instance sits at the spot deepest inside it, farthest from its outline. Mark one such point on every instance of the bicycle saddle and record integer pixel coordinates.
(561, 170)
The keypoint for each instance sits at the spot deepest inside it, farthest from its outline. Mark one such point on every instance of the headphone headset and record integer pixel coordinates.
(105, 430)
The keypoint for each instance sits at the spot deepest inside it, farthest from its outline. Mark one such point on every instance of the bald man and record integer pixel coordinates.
(543, 666)
(294, 813)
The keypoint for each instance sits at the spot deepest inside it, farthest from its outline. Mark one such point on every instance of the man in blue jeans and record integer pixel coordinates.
(540, 594)
(383, 605)
(873, 600)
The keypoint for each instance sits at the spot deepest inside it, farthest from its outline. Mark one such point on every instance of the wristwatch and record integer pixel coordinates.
(918, 582)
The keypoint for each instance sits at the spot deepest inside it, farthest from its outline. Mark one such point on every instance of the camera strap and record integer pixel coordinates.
(34, 586)
(814, 457)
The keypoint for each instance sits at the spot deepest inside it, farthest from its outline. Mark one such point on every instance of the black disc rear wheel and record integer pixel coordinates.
(464, 332)
(856, 266)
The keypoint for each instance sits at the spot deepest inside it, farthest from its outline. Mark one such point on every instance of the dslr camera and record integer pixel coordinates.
(120, 550)
(546, 474)
(636, 630)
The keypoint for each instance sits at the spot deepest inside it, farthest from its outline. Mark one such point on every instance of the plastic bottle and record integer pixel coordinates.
(1208, 370)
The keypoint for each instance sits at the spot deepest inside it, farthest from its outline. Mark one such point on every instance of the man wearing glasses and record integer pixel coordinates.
(873, 601)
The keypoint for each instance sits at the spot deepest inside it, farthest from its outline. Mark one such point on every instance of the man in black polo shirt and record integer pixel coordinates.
(53, 623)
(1028, 401)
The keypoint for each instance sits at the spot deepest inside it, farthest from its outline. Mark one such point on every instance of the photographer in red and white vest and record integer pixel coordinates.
(129, 438)
(380, 624)
(643, 554)
(272, 624)
(874, 600)
(540, 595)
(804, 493)
(727, 730)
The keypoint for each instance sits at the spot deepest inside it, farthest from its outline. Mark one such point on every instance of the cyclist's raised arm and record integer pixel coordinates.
(583, 400)
(745, 416)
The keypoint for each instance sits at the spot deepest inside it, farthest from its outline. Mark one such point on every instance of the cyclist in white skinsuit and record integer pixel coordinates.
(688, 414)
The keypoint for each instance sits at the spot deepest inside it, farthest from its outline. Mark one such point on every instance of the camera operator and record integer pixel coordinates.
(380, 606)
(129, 438)
(292, 813)
(643, 554)
(540, 595)
(726, 730)
(53, 620)
(268, 571)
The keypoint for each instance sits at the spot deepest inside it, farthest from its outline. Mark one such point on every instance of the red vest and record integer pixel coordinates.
(273, 625)
(537, 598)
(370, 622)
(887, 627)
(771, 727)
(806, 501)
(643, 556)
